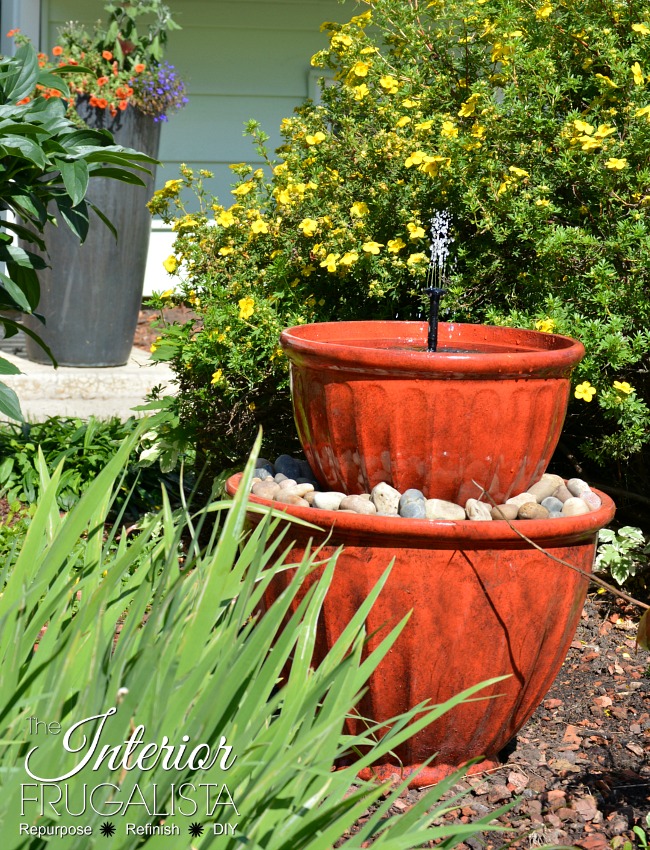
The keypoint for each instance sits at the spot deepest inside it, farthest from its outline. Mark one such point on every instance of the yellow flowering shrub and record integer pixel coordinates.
(530, 123)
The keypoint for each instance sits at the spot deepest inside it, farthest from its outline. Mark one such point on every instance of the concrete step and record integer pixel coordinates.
(85, 391)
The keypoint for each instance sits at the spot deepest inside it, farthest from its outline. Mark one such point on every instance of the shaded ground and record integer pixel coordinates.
(579, 770)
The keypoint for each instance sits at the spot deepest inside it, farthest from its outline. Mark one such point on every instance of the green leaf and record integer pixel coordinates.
(9, 403)
(8, 368)
(75, 178)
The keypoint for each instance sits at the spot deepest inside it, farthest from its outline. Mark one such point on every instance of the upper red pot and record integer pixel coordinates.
(371, 404)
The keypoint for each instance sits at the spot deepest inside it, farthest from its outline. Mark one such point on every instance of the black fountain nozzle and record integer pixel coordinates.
(435, 293)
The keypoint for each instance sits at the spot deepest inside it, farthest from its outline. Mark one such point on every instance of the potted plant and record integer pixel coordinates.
(48, 164)
(91, 295)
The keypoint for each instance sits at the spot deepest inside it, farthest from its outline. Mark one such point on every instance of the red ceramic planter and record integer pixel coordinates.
(485, 603)
(371, 404)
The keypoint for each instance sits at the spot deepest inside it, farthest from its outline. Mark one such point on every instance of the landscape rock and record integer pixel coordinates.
(521, 499)
(575, 507)
(505, 512)
(478, 511)
(266, 489)
(330, 500)
(266, 465)
(562, 493)
(286, 498)
(440, 509)
(358, 505)
(411, 504)
(288, 466)
(531, 510)
(552, 503)
(386, 499)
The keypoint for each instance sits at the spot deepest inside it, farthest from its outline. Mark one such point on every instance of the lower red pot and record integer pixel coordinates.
(485, 603)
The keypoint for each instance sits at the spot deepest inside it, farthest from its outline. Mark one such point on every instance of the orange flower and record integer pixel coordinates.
(122, 105)
(25, 99)
(93, 100)
(139, 68)
(102, 103)
(101, 81)
(57, 51)
(112, 110)
(106, 54)
(13, 32)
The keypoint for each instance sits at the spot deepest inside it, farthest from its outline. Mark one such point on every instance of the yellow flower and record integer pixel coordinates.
(316, 139)
(154, 345)
(194, 300)
(217, 376)
(546, 326)
(360, 69)
(223, 252)
(171, 188)
(358, 209)
(396, 245)
(226, 219)
(542, 202)
(243, 189)
(409, 103)
(259, 226)
(246, 307)
(389, 83)
(372, 247)
(308, 270)
(432, 164)
(415, 231)
(469, 107)
(415, 158)
(403, 121)
(415, 259)
(449, 129)
(349, 258)
(607, 80)
(359, 92)
(643, 111)
(616, 164)
(328, 263)
(637, 73)
(544, 11)
(604, 130)
(585, 391)
(308, 226)
(518, 172)
(167, 294)
(623, 387)
(340, 39)
(642, 29)
(424, 125)
(583, 127)
(171, 264)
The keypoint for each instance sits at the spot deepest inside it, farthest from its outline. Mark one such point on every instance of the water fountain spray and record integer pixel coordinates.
(436, 277)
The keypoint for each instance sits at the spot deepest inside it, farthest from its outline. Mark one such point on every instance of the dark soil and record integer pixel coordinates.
(147, 330)
(578, 773)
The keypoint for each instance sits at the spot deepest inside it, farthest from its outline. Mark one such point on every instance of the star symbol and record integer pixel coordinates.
(107, 829)
(195, 829)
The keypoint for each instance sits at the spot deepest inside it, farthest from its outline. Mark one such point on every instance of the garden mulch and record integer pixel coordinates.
(578, 773)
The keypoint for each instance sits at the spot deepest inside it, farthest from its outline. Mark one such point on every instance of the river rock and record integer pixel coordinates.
(554, 514)
(286, 498)
(298, 489)
(266, 489)
(287, 482)
(576, 485)
(575, 507)
(545, 487)
(288, 466)
(562, 493)
(411, 504)
(531, 510)
(358, 505)
(415, 509)
(477, 511)
(521, 499)
(279, 477)
(305, 470)
(440, 509)
(327, 501)
(505, 512)
(262, 473)
(386, 499)
(551, 503)
(592, 499)
(309, 497)
(266, 465)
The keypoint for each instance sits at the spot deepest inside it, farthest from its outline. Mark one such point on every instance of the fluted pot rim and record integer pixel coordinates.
(388, 348)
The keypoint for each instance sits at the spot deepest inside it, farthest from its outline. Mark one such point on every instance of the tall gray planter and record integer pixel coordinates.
(91, 294)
